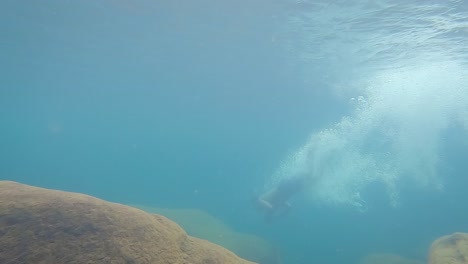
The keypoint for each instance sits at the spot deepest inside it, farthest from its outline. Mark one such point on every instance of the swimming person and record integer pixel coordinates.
(275, 202)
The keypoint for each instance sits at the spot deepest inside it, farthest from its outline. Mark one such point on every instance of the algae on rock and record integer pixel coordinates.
(200, 224)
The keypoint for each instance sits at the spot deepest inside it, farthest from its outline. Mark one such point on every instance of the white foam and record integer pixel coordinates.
(393, 136)
(408, 63)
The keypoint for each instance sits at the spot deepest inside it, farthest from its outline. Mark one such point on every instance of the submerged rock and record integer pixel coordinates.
(387, 259)
(200, 224)
(451, 249)
(47, 226)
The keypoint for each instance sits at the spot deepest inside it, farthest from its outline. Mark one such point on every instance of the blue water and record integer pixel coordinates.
(201, 104)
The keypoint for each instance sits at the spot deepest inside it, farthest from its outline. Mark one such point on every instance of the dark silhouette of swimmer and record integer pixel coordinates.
(275, 202)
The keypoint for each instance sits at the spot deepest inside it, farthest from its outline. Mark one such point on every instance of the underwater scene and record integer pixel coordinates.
(286, 131)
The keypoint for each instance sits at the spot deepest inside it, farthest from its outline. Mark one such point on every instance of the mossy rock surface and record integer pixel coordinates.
(44, 226)
(200, 224)
(450, 249)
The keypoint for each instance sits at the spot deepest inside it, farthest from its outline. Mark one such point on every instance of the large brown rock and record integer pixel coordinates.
(451, 249)
(200, 224)
(46, 226)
